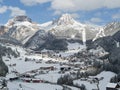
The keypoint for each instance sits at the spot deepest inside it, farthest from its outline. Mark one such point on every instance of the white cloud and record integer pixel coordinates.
(57, 12)
(65, 5)
(71, 6)
(3, 9)
(95, 20)
(33, 2)
(85, 5)
(16, 11)
(112, 3)
(75, 15)
(116, 16)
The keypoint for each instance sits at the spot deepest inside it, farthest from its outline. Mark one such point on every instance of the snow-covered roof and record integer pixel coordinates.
(112, 85)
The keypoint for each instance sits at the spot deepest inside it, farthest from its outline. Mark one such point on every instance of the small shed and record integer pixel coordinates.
(112, 86)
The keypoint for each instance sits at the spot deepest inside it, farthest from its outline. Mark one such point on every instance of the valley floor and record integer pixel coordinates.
(46, 72)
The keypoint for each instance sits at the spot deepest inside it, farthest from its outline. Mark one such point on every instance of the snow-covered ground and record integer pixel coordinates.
(75, 46)
(52, 76)
(22, 67)
(72, 49)
(32, 86)
(103, 83)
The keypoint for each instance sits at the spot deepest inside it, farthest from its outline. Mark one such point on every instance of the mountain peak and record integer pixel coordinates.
(16, 19)
(65, 19)
(22, 18)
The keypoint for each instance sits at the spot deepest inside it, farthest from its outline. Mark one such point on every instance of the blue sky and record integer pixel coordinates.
(98, 12)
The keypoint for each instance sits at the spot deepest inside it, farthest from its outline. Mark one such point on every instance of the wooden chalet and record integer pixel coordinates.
(113, 86)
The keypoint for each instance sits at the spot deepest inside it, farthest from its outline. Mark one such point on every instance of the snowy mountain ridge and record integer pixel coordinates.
(18, 19)
(67, 27)
(23, 29)
(65, 19)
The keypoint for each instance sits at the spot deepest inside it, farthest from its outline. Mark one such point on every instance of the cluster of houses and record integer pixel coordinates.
(12, 65)
(51, 62)
(32, 80)
(29, 76)
(74, 64)
(32, 59)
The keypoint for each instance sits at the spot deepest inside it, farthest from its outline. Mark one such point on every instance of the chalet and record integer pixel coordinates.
(112, 86)
(38, 61)
(31, 80)
(51, 62)
(28, 80)
(37, 81)
(76, 69)
(48, 68)
(37, 52)
(7, 60)
(65, 68)
(12, 65)
(42, 72)
(28, 75)
(13, 78)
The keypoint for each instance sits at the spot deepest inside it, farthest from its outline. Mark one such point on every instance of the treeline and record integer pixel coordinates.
(6, 51)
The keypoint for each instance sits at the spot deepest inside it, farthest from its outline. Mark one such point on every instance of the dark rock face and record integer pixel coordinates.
(42, 40)
(57, 44)
(111, 45)
(37, 40)
(116, 36)
(3, 68)
(6, 39)
(6, 51)
(108, 43)
(22, 18)
(3, 29)
(114, 56)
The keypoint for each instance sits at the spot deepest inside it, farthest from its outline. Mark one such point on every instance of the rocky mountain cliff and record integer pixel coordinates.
(22, 29)
(68, 28)
(112, 28)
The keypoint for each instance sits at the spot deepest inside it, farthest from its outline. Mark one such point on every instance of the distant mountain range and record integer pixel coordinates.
(54, 34)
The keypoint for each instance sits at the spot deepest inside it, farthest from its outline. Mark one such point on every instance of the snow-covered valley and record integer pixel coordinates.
(46, 70)
(62, 54)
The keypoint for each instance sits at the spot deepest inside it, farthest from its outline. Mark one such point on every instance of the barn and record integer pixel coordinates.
(112, 86)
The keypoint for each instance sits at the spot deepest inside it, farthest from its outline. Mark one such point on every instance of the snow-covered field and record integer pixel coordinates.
(32, 86)
(22, 67)
(102, 84)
